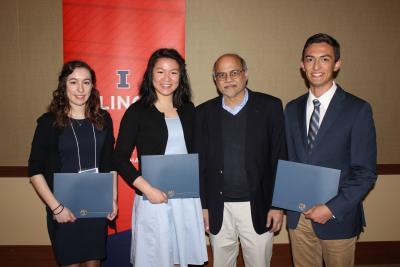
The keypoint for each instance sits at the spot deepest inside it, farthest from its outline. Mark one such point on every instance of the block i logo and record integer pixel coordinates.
(123, 79)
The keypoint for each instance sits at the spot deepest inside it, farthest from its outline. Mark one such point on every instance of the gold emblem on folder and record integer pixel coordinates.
(171, 193)
(83, 212)
(302, 206)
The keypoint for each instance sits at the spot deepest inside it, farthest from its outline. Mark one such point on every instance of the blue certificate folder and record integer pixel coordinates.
(87, 195)
(176, 175)
(299, 187)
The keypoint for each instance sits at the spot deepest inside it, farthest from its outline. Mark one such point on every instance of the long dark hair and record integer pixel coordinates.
(60, 106)
(181, 95)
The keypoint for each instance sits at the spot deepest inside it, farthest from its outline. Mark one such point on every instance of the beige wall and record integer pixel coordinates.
(31, 57)
(23, 216)
(23, 221)
(268, 34)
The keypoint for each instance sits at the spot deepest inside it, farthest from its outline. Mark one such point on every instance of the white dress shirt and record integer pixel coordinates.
(324, 99)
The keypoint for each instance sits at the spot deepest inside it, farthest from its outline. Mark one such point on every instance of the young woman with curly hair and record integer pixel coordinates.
(74, 135)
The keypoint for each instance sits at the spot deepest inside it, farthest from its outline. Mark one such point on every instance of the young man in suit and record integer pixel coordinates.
(329, 127)
(239, 137)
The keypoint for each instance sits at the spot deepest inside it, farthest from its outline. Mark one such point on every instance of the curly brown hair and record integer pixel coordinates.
(60, 106)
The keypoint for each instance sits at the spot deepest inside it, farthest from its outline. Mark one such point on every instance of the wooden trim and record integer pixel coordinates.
(373, 252)
(388, 169)
(382, 252)
(281, 255)
(14, 171)
(22, 171)
(34, 256)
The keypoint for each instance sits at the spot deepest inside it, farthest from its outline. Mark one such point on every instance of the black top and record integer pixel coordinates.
(45, 156)
(54, 150)
(85, 140)
(234, 137)
(144, 128)
(264, 145)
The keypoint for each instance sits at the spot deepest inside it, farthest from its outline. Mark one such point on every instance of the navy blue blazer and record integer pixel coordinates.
(346, 140)
(264, 145)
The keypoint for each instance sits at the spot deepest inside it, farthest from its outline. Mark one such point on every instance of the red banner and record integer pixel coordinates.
(116, 38)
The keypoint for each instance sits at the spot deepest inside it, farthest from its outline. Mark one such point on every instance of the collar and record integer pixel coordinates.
(325, 99)
(235, 110)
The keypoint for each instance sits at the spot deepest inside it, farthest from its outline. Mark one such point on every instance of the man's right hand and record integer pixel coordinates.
(206, 221)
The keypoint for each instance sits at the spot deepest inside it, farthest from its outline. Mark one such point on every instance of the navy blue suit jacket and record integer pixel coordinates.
(346, 140)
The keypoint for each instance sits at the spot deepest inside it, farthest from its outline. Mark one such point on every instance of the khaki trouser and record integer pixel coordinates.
(310, 251)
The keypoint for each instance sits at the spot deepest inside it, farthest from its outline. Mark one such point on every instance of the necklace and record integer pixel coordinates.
(78, 122)
(77, 146)
(78, 118)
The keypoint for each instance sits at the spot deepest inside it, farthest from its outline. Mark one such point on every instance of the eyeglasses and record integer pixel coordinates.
(233, 74)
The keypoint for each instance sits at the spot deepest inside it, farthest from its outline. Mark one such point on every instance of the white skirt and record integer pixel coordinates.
(168, 234)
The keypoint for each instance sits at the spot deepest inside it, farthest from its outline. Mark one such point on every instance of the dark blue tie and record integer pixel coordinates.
(314, 125)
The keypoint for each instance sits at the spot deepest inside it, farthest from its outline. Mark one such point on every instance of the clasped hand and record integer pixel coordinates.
(65, 216)
(156, 196)
(319, 214)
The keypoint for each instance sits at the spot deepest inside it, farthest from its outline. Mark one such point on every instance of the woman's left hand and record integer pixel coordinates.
(111, 216)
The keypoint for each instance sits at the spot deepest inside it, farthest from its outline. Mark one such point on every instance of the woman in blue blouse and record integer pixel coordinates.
(164, 232)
